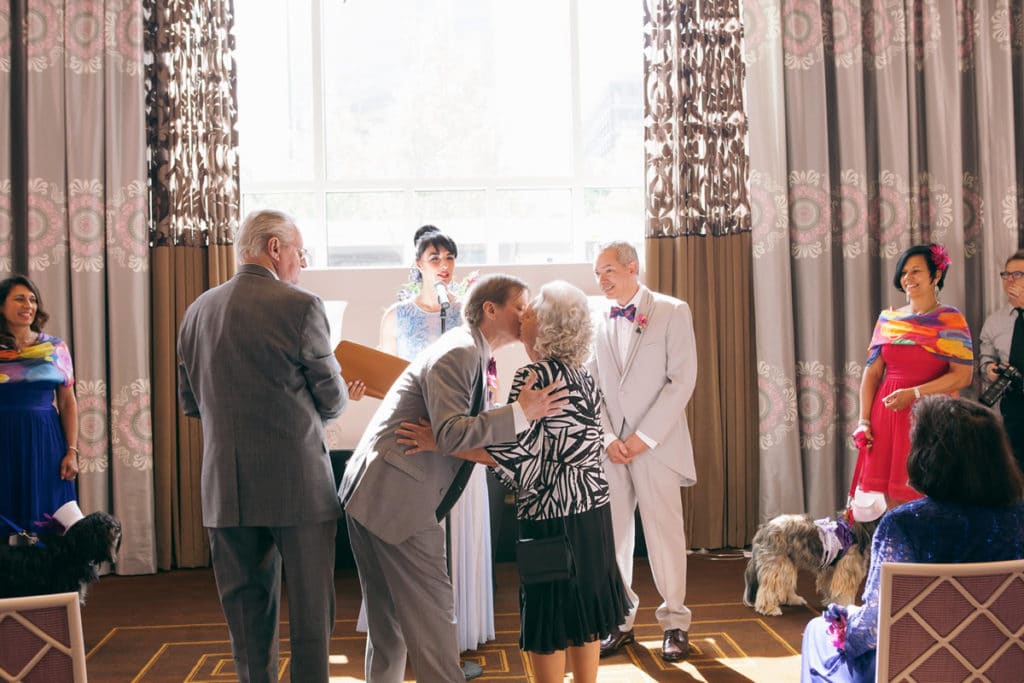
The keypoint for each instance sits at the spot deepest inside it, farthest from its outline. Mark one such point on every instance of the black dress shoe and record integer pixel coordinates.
(471, 670)
(613, 642)
(676, 646)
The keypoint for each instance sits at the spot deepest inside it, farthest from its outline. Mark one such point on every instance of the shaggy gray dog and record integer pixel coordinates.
(836, 550)
(63, 563)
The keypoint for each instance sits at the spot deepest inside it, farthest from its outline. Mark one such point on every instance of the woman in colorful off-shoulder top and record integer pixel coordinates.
(922, 348)
(38, 441)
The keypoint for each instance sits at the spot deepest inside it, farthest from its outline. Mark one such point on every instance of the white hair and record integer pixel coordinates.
(564, 326)
(257, 229)
(624, 251)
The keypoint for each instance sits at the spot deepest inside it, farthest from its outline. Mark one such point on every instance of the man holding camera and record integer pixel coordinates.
(1002, 346)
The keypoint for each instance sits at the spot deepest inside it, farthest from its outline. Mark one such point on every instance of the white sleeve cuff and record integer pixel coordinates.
(651, 443)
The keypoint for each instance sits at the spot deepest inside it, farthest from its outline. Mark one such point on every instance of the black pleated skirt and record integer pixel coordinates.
(590, 605)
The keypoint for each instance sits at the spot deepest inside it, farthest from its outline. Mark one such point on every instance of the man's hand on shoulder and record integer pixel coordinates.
(543, 402)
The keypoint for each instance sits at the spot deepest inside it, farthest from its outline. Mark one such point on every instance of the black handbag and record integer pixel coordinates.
(542, 560)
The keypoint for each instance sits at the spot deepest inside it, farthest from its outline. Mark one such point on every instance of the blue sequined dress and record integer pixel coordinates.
(923, 530)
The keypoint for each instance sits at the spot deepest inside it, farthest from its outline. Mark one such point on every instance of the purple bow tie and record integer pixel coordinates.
(629, 312)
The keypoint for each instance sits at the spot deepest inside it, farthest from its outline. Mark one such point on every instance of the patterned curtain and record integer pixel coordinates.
(73, 217)
(698, 244)
(874, 125)
(194, 196)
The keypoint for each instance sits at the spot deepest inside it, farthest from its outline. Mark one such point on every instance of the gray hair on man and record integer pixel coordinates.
(497, 288)
(564, 325)
(257, 229)
(624, 251)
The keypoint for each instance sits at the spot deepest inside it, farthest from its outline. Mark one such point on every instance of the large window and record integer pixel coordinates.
(516, 127)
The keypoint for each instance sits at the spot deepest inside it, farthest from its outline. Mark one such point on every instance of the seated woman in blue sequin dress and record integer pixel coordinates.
(961, 460)
(38, 417)
(409, 326)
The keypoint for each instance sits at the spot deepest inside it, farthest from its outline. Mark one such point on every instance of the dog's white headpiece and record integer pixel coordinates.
(867, 506)
(68, 514)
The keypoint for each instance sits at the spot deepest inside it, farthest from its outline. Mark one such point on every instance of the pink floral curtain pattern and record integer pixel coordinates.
(694, 122)
(83, 232)
(874, 125)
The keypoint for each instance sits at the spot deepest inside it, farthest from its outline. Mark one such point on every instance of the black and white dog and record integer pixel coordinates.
(62, 563)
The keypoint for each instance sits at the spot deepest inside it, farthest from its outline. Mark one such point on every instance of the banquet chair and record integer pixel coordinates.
(951, 622)
(41, 639)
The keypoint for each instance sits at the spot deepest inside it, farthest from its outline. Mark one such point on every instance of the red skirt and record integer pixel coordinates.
(883, 466)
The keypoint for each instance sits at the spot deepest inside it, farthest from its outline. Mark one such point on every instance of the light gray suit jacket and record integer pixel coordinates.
(395, 495)
(255, 364)
(649, 392)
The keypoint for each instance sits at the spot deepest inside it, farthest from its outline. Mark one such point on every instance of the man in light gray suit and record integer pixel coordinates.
(255, 365)
(394, 501)
(645, 361)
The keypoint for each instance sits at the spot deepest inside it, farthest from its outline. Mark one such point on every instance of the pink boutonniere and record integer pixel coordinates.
(641, 323)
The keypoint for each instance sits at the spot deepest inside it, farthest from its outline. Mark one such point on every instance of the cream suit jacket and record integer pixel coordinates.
(649, 391)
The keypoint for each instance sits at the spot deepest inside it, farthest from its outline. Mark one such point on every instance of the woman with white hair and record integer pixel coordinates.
(561, 493)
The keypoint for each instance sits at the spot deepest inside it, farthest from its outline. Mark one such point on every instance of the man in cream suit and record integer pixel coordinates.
(394, 501)
(645, 361)
(255, 365)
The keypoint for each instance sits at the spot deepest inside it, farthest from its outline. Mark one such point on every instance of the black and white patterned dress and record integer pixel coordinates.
(555, 469)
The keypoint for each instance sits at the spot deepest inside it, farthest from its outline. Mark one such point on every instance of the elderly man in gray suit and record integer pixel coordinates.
(256, 367)
(645, 361)
(394, 501)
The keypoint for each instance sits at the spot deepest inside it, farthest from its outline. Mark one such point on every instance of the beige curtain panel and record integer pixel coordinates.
(192, 135)
(698, 245)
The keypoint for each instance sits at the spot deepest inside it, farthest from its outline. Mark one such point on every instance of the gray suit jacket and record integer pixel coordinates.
(255, 364)
(395, 495)
(649, 392)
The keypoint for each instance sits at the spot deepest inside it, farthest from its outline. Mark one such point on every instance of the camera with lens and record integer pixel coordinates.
(1009, 378)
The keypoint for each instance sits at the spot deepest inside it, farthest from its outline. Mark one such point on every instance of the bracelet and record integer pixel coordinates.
(73, 448)
(864, 421)
(917, 392)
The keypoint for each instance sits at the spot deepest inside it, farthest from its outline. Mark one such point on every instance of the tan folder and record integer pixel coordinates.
(377, 370)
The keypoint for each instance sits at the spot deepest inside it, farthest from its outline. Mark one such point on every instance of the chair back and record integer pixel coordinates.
(41, 639)
(951, 622)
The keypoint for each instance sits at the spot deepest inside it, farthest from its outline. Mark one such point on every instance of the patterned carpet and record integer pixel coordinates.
(168, 628)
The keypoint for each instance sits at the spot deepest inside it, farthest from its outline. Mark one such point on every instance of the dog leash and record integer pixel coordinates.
(32, 540)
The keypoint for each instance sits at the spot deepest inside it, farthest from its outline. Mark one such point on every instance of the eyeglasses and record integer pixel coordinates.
(306, 256)
(1012, 274)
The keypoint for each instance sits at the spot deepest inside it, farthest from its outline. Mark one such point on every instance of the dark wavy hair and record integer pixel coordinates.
(959, 453)
(6, 336)
(919, 250)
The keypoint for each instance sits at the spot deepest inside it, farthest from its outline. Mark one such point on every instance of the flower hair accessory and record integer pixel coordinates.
(641, 322)
(940, 257)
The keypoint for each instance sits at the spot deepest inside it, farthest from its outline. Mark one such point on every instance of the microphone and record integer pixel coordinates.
(442, 295)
